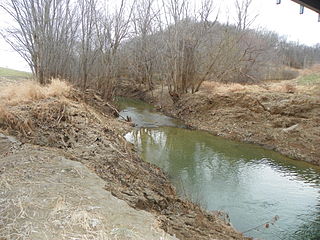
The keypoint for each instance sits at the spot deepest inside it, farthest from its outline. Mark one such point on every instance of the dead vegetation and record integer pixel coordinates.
(14, 94)
(277, 87)
(23, 92)
(9, 120)
(82, 127)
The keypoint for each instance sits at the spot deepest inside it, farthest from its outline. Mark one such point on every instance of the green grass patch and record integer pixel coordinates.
(10, 73)
(309, 79)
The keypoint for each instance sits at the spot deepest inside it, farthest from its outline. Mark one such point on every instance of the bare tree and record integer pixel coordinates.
(43, 28)
(112, 29)
(87, 19)
(144, 49)
(184, 35)
(243, 18)
(94, 46)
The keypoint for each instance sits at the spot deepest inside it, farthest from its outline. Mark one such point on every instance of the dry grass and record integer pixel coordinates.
(306, 83)
(15, 93)
(280, 87)
(9, 120)
(284, 87)
(314, 69)
(216, 87)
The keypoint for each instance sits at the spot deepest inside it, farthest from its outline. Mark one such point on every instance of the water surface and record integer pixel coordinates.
(251, 184)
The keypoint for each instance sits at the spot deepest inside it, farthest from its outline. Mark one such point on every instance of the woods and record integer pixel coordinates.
(149, 42)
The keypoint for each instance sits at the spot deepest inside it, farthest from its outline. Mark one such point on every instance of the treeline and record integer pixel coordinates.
(300, 56)
(148, 42)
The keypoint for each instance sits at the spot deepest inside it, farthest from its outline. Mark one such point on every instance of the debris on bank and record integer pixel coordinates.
(67, 137)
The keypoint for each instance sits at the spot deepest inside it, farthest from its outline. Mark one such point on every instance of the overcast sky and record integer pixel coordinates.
(283, 19)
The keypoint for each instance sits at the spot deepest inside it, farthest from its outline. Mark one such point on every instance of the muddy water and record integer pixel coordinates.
(251, 184)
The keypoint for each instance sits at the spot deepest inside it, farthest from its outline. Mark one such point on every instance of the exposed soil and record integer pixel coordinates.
(82, 128)
(44, 195)
(289, 124)
(278, 115)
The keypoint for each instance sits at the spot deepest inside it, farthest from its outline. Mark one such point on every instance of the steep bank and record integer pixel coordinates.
(281, 116)
(59, 121)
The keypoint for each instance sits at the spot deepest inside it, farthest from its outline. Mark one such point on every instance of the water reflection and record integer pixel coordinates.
(250, 183)
(144, 115)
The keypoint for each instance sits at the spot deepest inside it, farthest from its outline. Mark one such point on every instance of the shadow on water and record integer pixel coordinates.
(248, 182)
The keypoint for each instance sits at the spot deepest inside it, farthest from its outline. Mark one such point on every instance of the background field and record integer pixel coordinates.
(10, 73)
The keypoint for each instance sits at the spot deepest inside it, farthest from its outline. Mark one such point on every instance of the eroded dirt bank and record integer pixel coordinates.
(287, 124)
(45, 195)
(82, 128)
(278, 116)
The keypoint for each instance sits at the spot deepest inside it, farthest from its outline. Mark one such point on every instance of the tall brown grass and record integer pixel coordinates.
(22, 92)
(280, 87)
(10, 121)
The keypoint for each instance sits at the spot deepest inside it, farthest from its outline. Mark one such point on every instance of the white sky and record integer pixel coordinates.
(283, 19)
(286, 20)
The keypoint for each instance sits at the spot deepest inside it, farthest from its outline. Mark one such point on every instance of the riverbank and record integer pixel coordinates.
(71, 155)
(46, 195)
(283, 115)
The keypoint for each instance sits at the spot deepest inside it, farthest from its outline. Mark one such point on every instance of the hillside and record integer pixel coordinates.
(11, 73)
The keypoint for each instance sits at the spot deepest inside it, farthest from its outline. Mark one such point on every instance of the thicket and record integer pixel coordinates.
(149, 42)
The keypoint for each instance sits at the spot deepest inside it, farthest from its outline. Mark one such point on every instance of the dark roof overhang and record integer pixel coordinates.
(311, 4)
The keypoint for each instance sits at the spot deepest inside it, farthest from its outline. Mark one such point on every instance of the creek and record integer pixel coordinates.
(252, 185)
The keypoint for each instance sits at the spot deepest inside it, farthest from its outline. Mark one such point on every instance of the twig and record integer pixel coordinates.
(266, 224)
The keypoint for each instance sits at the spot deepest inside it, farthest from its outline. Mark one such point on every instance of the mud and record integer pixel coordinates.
(82, 128)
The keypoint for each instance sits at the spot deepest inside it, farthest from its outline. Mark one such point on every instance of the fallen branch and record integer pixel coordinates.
(265, 225)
